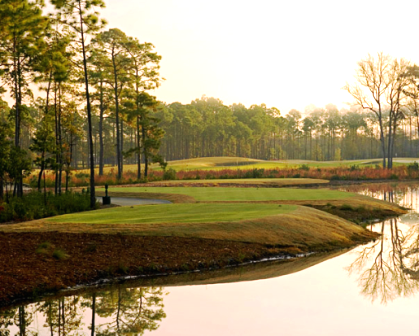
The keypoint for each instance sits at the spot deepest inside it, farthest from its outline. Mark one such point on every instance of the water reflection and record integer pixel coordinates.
(119, 311)
(404, 194)
(389, 267)
(384, 265)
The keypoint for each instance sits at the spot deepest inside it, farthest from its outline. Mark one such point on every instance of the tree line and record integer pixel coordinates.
(85, 77)
(382, 121)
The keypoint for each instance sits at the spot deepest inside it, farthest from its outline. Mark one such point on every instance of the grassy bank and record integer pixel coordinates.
(300, 228)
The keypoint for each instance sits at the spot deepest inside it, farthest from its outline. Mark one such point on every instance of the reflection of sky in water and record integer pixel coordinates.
(367, 291)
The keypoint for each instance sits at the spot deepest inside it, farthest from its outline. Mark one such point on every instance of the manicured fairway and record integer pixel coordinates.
(242, 194)
(175, 213)
(252, 181)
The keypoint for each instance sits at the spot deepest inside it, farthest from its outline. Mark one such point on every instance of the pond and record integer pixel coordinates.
(369, 290)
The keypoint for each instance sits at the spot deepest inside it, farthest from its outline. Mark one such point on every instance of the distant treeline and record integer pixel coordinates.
(207, 127)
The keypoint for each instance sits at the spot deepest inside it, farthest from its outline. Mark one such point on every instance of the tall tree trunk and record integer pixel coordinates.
(118, 137)
(138, 149)
(145, 153)
(101, 156)
(89, 115)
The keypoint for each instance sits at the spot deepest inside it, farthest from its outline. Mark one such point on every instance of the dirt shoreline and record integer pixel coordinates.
(31, 267)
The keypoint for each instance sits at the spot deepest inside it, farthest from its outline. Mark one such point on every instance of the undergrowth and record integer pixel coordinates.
(35, 205)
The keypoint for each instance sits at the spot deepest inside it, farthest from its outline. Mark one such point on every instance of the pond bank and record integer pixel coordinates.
(32, 264)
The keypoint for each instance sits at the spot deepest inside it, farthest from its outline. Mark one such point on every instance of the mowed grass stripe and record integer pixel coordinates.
(175, 213)
(254, 181)
(212, 194)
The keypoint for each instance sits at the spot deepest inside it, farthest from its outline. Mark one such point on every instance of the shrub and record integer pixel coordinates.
(169, 174)
(413, 166)
(254, 173)
(81, 175)
(59, 254)
(304, 167)
(36, 205)
(43, 248)
(346, 207)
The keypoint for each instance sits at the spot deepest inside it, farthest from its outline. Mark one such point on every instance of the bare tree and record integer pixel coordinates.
(380, 89)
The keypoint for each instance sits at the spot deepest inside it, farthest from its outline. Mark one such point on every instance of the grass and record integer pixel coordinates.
(301, 228)
(59, 254)
(244, 163)
(203, 194)
(175, 213)
(226, 162)
(258, 181)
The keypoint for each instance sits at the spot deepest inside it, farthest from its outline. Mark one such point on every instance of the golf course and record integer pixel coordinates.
(208, 224)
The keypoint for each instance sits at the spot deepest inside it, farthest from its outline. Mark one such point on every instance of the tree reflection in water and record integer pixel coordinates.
(382, 265)
(120, 311)
(389, 267)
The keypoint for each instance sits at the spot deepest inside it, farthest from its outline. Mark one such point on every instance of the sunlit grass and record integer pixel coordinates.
(175, 213)
(242, 194)
(252, 181)
(280, 225)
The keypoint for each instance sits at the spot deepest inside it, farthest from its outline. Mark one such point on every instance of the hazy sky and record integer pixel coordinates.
(286, 54)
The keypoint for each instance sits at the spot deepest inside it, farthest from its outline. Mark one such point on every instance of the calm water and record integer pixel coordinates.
(369, 290)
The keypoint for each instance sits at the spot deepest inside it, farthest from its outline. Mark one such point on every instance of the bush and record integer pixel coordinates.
(413, 166)
(254, 173)
(346, 207)
(304, 167)
(82, 175)
(59, 254)
(37, 205)
(169, 174)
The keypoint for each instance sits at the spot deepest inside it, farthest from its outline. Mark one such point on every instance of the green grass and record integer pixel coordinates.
(296, 227)
(243, 194)
(219, 163)
(175, 213)
(255, 181)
